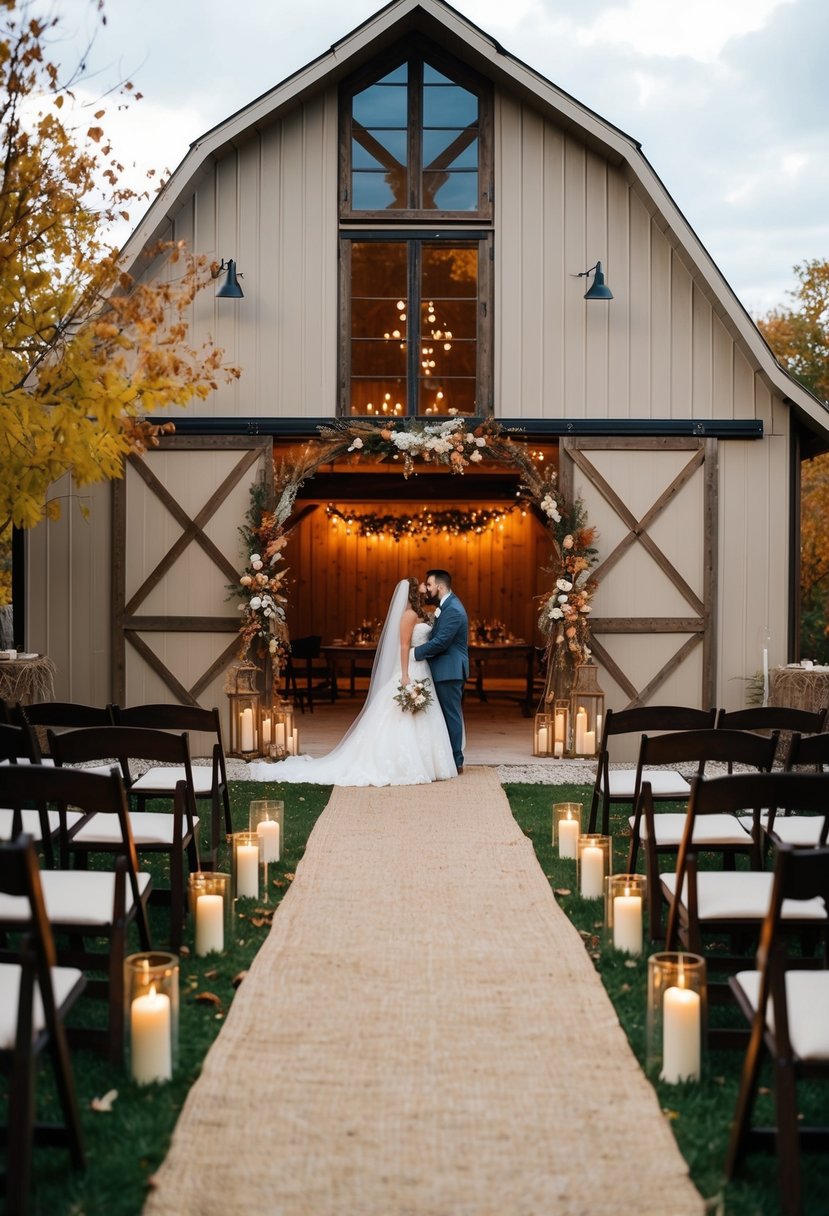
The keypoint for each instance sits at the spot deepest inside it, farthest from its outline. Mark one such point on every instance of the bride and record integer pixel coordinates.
(385, 745)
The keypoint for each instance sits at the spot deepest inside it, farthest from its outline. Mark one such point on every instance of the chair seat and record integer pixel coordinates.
(714, 830)
(800, 830)
(31, 822)
(148, 827)
(807, 1004)
(65, 980)
(664, 782)
(73, 897)
(163, 780)
(741, 895)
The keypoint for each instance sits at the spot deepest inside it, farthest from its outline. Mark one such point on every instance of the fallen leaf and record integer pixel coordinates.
(562, 891)
(104, 1105)
(184, 951)
(670, 1115)
(212, 973)
(237, 979)
(258, 921)
(624, 987)
(209, 998)
(631, 962)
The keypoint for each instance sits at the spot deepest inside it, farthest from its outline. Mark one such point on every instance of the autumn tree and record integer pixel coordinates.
(87, 353)
(799, 337)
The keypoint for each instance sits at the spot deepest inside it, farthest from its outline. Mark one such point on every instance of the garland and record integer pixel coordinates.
(420, 527)
(564, 615)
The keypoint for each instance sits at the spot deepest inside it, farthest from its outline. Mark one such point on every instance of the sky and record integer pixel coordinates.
(728, 98)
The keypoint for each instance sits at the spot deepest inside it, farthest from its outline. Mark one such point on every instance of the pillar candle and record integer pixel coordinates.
(581, 727)
(266, 732)
(210, 928)
(295, 741)
(627, 923)
(543, 745)
(569, 831)
(280, 734)
(590, 743)
(246, 720)
(558, 748)
(598, 726)
(268, 833)
(592, 872)
(559, 728)
(151, 1045)
(247, 871)
(680, 1036)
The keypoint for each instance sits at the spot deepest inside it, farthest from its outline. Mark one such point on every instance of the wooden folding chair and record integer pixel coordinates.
(86, 907)
(208, 783)
(801, 830)
(59, 716)
(623, 785)
(308, 674)
(782, 718)
(172, 832)
(35, 996)
(787, 1008)
(19, 746)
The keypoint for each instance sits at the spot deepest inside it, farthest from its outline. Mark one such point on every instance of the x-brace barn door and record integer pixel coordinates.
(176, 550)
(654, 502)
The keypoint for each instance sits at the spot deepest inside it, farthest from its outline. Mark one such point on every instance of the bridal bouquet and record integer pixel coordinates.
(414, 696)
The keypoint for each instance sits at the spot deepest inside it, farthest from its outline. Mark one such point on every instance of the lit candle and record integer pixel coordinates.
(543, 744)
(152, 1049)
(210, 929)
(559, 729)
(266, 732)
(247, 871)
(558, 748)
(246, 720)
(680, 1035)
(627, 922)
(268, 833)
(592, 872)
(581, 727)
(589, 743)
(568, 837)
(280, 735)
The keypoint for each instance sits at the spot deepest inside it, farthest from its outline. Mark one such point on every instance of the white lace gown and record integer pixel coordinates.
(384, 747)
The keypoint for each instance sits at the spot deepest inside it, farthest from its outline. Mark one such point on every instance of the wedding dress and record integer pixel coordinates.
(384, 745)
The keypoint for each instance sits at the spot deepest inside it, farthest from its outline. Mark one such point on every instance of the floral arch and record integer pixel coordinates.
(455, 443)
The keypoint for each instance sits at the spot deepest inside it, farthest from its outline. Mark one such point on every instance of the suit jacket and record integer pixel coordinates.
(447, 649)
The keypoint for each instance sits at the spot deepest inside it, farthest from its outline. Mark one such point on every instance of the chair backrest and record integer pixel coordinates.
(191, 718)
(772, 717)
(306, 648)
(701, 746)
(70, 714)
(809, 749)
(18, 743)
(655, 717)
(20, 876)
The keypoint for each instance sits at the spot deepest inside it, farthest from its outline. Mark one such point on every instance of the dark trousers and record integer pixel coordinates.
(450, 694)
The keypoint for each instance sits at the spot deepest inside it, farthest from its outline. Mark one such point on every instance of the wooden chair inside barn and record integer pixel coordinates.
(623, 785)
(712, 906)
(89, 911)
(209, 784)
(786, 1006)
(661, 833)
(35, 997)
(171, 833)
(307, 673)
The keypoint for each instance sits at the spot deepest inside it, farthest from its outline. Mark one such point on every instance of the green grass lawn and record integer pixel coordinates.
(125, 1145)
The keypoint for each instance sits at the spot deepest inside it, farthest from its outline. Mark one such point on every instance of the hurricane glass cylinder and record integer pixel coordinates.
(567, 828)
(624, 912)
(151, 1004)
(245, 867)
(210, 908)
(676, 1016)
(594, 864)
(586, 710)
(267, 820)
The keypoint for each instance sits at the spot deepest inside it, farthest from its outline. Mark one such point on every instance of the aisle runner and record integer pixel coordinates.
(422, 1034)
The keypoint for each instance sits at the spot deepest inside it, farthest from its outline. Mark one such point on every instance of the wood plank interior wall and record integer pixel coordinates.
(336, 580)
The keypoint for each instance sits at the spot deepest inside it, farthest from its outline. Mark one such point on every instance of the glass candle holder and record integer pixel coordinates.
(210, 907)
(624, 908)
(267, 820)
(151, 1015)
(245, 868)
(567, 828)
(594, 864)
(676, 1016)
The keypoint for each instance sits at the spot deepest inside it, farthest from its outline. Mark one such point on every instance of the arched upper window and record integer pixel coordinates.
(416, 139)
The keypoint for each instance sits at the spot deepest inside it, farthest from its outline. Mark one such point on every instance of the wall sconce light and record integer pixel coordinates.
(599, 289)
(230, 289)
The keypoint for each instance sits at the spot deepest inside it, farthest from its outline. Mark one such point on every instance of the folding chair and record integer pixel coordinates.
(787, 1008)
(304, 667)
(85, 906)
(62, 715)
(208, 783)
(773, 717)
(623, 785)
(172, 832)
(803, 831)
(35, 996)
(19, 746)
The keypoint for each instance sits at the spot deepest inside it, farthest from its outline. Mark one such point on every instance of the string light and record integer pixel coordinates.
(450, 522)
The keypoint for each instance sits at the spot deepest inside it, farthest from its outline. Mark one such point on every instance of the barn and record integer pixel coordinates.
(412, 223)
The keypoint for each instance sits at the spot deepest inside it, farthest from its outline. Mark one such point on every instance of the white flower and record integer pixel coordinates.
(556, 614)
(356, 444)
(586, 608)
(470, 438)
(562, 599)
(480, 441)
(419, 699)
(476, 456)
(256, 602)
(403, 440)
(255, 557)
(257, 565)
(563, 584)
(272, 645)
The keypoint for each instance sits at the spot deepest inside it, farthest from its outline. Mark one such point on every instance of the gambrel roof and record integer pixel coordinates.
(468, 43)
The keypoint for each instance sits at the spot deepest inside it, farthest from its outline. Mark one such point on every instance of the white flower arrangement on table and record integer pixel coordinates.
(414, 696)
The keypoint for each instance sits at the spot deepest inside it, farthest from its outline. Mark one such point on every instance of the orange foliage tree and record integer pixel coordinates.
(799, 337)
(87, 352)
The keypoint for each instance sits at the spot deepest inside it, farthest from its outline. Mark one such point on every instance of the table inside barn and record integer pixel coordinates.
(799, 687)
(27, 680)
(350, 660)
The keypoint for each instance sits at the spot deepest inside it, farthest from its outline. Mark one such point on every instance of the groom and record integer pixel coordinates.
(447, 653)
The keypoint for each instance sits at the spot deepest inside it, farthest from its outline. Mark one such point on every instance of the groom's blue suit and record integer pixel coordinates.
(447, 653)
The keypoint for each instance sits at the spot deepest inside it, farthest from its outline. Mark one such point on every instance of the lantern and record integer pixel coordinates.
(245, 711)
(586, 710)
(550, 729)
(277, 728)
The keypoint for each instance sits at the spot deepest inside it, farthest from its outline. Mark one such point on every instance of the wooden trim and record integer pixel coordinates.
(218, 665)
(668, 668)
(710, 579)
(118, 590)
(647, 624)
(152, 660)
(182, 624)
(655, 443)
(614, 670)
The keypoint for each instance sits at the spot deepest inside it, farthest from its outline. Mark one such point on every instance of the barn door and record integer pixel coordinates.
(654, 502)
(176, 542)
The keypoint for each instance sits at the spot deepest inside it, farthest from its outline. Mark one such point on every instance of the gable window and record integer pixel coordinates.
(415, 302)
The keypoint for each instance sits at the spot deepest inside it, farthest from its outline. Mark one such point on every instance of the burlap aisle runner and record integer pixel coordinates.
(423, 1034)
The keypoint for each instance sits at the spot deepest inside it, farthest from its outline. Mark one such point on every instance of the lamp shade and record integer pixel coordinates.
(598, 290)
(230, 289)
